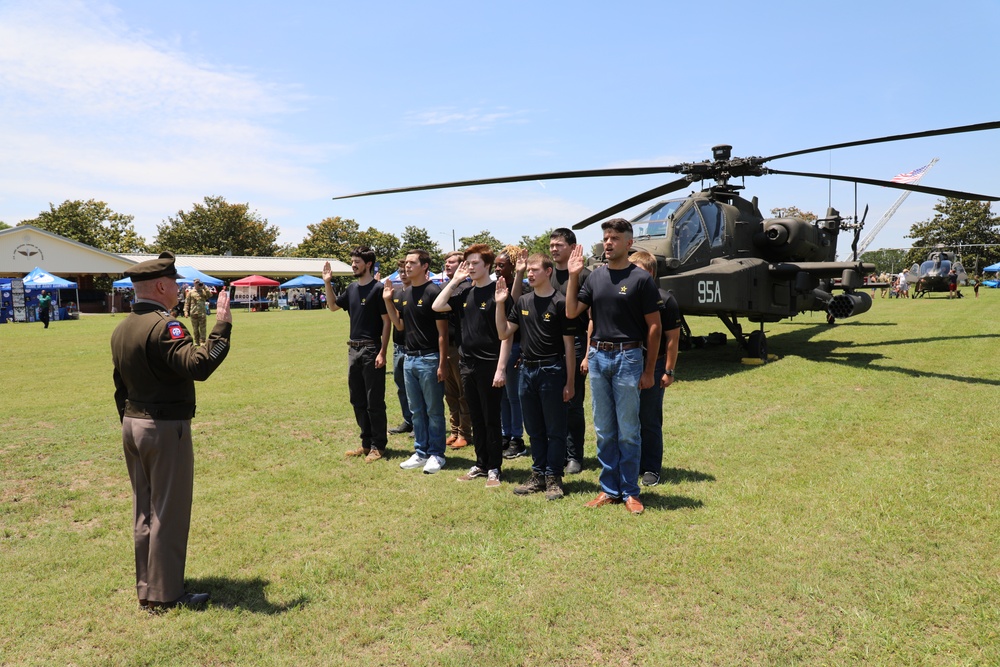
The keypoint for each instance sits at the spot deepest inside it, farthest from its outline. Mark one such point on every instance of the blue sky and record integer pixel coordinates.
(153, 106)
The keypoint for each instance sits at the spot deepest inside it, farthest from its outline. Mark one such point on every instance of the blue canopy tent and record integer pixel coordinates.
(190, 273)
(303, 281)
(436, 278)
(991, 269)
(40, 279)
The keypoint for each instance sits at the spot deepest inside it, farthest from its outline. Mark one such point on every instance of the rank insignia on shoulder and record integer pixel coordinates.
(176, 330)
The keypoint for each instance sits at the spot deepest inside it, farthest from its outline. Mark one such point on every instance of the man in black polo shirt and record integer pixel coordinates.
(483, 360)
(548, 362)
(625, 309)
(424, 366)
(369, 339)
(561, 244)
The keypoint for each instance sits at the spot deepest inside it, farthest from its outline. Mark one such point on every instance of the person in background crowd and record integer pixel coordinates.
(156, 364)
(426, 357)
(976, 284)
(651, 400)
(454, 396)
(367, 346)
(194, 307)
(44, 306)
(625, 311)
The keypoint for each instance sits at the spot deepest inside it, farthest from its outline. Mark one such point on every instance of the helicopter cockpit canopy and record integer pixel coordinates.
(939, 266)
(687, 229)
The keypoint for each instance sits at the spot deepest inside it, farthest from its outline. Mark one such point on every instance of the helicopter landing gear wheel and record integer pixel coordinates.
(830, 319)
(757, 345)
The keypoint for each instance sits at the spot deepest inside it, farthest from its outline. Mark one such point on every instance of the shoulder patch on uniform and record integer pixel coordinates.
(176, 329)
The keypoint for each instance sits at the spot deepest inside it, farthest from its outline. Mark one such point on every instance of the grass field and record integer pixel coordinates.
(837, 506)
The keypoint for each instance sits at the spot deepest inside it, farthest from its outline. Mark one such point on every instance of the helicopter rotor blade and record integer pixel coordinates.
(978, 127)
(658, 191)
(585, 173)
(940, 192)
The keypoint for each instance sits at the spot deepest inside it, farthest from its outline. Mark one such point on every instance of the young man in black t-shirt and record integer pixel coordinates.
(561, 244)
(483, 357)
(424, 366)
(369, 339)
(651, 400)
(624, 308)
(548, 363)
(399, 353)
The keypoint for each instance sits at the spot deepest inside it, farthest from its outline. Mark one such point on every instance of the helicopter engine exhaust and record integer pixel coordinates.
(848, 304)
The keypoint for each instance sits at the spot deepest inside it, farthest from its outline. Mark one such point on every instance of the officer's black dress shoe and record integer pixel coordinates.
(189, 600)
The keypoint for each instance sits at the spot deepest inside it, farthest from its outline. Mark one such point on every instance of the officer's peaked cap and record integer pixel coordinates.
(161, 267)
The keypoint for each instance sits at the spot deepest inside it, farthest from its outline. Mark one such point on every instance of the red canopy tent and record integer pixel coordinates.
(256, 281)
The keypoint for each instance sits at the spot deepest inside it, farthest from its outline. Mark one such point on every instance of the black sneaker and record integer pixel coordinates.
(650, 479)
(405, 427)
(515, 449)
(573, 467)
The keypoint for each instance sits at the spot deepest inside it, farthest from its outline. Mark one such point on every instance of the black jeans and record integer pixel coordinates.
(367, 388)
(484, 408)
(577, 423)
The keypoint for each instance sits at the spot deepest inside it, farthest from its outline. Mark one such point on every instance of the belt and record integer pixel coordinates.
(361, 343)
(421, 353)
(544, 361)
(608, 346)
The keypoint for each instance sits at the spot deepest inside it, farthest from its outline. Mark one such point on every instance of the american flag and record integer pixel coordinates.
(910, 176)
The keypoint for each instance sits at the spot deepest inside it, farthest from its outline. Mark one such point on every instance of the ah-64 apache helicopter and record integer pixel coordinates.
(720, 256)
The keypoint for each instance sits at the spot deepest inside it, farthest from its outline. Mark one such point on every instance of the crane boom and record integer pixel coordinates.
(918, 173)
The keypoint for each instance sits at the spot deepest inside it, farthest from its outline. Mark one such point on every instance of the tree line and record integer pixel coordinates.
(218, 227)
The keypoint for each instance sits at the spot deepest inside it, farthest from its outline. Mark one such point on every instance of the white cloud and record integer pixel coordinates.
(468, 120)
(91, 108)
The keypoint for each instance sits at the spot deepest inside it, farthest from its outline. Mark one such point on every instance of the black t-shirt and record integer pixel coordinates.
(543, 322)
(365, 305)
(559, 280)
(476, 308)
(619, 299)
(670, 318)
(454, 319)
(419, 319)
(398, 337)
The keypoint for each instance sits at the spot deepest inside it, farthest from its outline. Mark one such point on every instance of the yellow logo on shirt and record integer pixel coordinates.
(524, 312)
(623, 290)
(547, 317)
(482, 306)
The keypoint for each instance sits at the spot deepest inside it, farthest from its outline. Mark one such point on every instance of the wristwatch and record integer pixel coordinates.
(669, 372)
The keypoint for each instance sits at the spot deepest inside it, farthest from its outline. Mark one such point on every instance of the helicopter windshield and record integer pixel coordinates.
(688, 234)
(654, 221)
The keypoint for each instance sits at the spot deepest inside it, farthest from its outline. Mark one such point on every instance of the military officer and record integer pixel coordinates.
(194, 307)
(155, 366)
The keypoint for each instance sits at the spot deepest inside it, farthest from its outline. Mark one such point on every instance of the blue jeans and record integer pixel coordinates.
(397, 375)
(614, 392)
(545, 415)
(511, 419)
(651, 422)
(426, 398)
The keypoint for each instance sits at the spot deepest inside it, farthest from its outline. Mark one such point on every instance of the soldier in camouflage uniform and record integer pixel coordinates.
(194, 307)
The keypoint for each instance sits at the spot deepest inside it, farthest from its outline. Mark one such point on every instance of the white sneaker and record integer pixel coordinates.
(414, 461)
(433, 464)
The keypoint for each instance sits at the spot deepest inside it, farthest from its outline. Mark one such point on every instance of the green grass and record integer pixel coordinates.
(837, 506)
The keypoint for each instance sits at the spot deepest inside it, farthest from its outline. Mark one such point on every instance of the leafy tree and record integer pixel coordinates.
(415, 237)
(958, 223)
(538, 243)
(890, 260)
(91, 222)
(482, 237)
(4, 225)
(218, 228)
(794, 212)
(336, 237)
